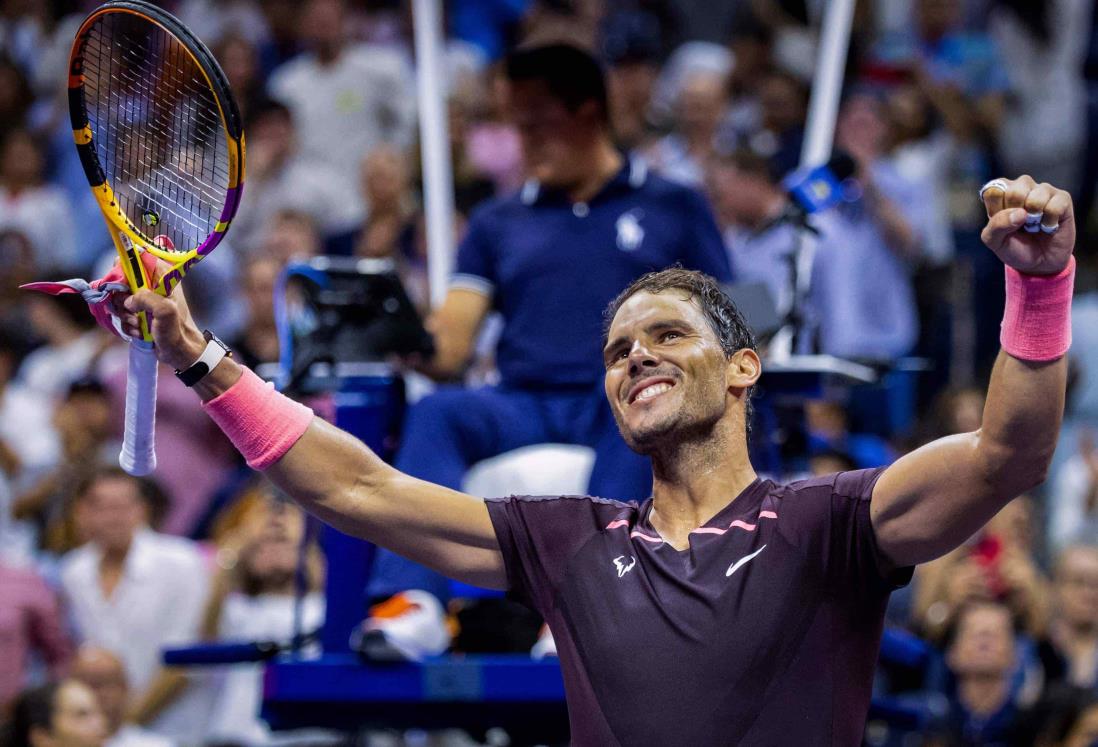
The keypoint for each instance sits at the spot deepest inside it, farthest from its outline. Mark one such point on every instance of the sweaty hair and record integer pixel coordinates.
(723, 317)
(572, 76)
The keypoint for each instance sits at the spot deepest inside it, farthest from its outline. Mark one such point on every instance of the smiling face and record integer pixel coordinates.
(667, 376)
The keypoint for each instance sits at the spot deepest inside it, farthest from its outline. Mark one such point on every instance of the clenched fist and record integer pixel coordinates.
(1030, 226)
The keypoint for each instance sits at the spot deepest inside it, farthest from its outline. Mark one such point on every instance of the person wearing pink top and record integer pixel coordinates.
(30, 620)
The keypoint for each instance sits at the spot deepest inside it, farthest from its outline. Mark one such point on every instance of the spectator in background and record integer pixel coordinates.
(239, 59)
(996, 565)
(1069, 651)
(783, 106)
(258, 340)
(1073, 499)
(84, 426)
(72, 343)
(587, 222)
(752, 51)
(700, 107)
(30, 624)
(984, 706)
(290, 234)
(103, 672)
(64, 714)
(860, 303)
(261, 608)
(15, 95)
(28, 441)
(631, 47)
(34, 207)
(17, 266)
(279, 179)
(492, 142)
(345, 100)
(133, 591)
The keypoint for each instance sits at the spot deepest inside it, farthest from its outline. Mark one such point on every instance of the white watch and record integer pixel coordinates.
(211, 356)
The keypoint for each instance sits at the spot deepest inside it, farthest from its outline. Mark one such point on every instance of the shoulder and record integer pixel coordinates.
(75, 564)
(565, 510)
(492, 214)
(376, 59)
(175, 550)
(857, 484)
(292, 72)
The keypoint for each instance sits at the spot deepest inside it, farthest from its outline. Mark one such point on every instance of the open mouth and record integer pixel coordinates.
(649, 389)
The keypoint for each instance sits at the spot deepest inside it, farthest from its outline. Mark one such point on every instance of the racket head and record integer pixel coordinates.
(159, 136)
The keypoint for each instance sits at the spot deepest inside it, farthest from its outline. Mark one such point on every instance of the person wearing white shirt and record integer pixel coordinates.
(135, 592)
(345, 100)
(104, 673)
(35, 208)
(1073, 502)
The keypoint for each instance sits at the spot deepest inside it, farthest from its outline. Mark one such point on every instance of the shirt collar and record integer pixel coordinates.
(633, 175)
(140, 560)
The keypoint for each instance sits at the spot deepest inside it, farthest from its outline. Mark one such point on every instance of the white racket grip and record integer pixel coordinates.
(138, 456)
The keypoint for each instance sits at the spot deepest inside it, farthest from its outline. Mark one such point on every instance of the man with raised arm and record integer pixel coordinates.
(726, 609)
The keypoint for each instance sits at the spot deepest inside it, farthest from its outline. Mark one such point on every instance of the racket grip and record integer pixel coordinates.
(138, 456)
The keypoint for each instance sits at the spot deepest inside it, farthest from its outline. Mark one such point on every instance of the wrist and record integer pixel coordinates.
(219, 380)
(188, 351)
(1037, 317)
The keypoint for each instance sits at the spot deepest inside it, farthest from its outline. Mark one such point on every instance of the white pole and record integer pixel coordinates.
(434, 137)
(819, 132)
(827, 86)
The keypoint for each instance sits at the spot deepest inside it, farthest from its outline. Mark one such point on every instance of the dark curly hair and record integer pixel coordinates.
(723, 317)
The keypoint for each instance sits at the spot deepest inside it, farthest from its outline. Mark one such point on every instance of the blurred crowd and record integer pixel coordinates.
(100, 570)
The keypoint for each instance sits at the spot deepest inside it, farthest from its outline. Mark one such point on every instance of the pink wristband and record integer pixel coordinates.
(1037, 318)
(262, 423)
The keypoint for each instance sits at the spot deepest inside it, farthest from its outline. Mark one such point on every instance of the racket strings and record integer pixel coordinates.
(157, 129)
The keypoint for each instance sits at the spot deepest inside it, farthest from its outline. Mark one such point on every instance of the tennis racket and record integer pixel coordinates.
(161, 143)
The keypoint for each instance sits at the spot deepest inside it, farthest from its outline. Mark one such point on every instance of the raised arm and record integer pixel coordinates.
(934, 498)
(336, 477)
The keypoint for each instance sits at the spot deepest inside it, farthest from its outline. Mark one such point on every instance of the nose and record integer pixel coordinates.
(640, 357)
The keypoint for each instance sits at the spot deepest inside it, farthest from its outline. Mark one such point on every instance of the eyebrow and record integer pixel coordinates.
(662, 325)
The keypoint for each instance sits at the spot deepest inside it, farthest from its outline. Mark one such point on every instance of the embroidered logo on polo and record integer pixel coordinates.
(624, 566)
(630, 232)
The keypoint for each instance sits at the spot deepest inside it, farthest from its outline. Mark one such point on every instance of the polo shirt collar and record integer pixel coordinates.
(633, 175)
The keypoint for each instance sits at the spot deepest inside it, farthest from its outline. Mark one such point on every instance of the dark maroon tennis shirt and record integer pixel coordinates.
(765, 631)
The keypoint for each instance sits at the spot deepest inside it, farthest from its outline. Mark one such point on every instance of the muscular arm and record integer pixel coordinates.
(336, 477)
(934, 498)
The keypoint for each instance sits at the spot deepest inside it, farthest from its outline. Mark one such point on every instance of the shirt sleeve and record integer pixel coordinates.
(704, 250)
(475, 268)
(853, 542)
(537, 536)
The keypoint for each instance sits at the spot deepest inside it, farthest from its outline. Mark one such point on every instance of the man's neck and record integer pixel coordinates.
(696, 478)
(983, 695)
(605, 162)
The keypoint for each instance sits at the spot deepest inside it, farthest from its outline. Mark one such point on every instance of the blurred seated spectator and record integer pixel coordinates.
(290, 234)
(1069, 650)
(16, 96)
(64, 714)
(491, 141)
(33, 206)
(631, 48)
(28, 442)
(1073, 499)
(985, 707)
(279, 179)
(17, 266)
(345, 99)
(104, 672)
(72, 343)
(1067, 717)
(860, 303)
(954, 410)
(783, 106)
(258, 340)
(239, 59)
(700, 103)
(134, 591)
(260, 606)
(996, 564)
(84, 424)
(827, 427)
(30, 624)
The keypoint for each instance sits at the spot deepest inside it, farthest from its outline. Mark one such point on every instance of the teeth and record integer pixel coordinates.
(651, 391)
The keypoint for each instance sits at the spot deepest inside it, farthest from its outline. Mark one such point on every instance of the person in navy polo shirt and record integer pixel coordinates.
(587, 222)
(726, 609)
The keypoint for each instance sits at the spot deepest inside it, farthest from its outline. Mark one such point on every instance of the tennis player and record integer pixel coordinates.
(726, 609)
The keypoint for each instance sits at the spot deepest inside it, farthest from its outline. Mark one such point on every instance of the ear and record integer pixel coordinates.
(743, 370)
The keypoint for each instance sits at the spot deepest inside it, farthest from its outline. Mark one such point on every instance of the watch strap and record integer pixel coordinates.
(211, 356)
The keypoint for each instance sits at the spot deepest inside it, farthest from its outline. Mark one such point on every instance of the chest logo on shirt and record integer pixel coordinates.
(742, 561)
(630, 232)
(624, 566)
